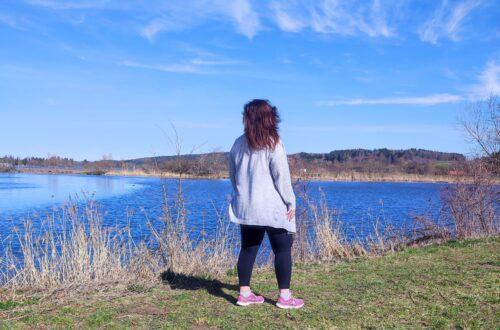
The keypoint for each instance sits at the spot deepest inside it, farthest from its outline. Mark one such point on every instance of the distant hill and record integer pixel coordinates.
(409, 161)
(412, 161)
(388, 155)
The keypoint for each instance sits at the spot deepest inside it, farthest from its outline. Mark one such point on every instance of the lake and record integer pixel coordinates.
(135, 200)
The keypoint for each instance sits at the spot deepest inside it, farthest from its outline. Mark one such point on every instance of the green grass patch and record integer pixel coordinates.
(452, 286)
(8, 304)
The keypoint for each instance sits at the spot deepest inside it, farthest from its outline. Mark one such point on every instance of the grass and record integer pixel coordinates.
(337, 176)
(455, 285)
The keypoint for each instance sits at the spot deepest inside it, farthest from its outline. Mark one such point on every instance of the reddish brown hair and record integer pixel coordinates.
(261, 120)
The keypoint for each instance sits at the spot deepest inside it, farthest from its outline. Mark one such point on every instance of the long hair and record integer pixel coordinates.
(261, 119)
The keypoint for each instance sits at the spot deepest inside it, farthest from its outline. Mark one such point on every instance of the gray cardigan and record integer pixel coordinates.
(262, 188)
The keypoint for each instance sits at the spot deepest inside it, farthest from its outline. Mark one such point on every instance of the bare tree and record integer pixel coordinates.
(481, 122)
(473, 201)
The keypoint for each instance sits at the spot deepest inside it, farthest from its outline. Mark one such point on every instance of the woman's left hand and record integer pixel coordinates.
(290, 214)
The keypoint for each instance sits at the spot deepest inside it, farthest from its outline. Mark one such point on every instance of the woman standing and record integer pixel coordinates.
(263, 200)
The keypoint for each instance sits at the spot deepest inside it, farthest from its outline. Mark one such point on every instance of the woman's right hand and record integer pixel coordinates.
(290, 214)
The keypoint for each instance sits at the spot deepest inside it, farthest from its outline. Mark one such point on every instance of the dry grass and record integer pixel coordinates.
(330, 242)
(181, 253)
(340, 176)
(73, 247)
(321, 236)
(161, 174)
(379, 177)
(472, 205)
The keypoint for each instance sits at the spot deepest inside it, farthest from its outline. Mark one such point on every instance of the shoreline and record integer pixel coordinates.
(340, 177)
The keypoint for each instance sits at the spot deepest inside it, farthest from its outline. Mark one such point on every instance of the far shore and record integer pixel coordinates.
(339, 177)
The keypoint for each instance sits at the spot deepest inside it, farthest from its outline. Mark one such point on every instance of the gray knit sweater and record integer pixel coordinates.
(262, 186)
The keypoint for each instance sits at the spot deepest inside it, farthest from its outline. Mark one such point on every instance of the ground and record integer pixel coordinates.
(455, 285)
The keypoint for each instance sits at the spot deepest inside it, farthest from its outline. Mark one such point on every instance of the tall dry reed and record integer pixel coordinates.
(473, 204)
(321, 235)
(181, 251)
(74, 247)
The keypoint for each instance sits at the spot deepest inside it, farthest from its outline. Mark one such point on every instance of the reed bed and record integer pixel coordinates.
(73, 246)
(161, 174)
(378, 177)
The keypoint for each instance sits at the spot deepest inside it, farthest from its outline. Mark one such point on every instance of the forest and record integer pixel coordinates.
(409, 161)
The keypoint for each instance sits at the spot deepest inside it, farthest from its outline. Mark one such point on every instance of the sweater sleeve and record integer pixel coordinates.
(231, 167)
(281, 175)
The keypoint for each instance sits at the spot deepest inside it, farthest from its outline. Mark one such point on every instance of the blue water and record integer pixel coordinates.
(135, 201)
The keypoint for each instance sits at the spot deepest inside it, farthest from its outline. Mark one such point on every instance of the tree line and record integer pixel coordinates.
(409, 161)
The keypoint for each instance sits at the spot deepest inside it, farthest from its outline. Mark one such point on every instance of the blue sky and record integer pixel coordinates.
(89, 78)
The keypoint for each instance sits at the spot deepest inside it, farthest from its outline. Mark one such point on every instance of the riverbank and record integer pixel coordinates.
(454, 285)
(337, 177)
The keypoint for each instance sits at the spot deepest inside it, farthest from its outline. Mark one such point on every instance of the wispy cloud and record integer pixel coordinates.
(333, 17)
(374, 18)
(10, 21)
(194, 66)
(187, 14)
(246, 18)
(150, 30)
(408, 100)
(489, 82)
(214, 62)
(170, 68)
(396, 128)
(446, 21)
(284, 19)
(168, 15)
(74, 4)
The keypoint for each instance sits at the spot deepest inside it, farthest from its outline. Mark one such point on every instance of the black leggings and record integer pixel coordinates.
(281, 243)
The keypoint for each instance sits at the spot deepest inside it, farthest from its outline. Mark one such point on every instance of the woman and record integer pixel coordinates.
(263, 200)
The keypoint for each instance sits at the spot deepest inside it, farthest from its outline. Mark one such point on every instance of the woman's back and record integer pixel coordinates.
(262, 186)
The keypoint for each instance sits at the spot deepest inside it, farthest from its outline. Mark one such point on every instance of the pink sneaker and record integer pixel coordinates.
(251, 299)
(290, 303)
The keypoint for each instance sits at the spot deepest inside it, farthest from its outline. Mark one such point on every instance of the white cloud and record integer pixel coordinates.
(194, 66)
(446, 21)
(214, 62)
(153, 28)
(73, 5)
(489, 82)
(398, 128)
(284, 20)
(333, 17)
(10, 21)
(246, 18)
(170, 68)
(374, 18)
(169, 15)
(188, 14)
(432, 99)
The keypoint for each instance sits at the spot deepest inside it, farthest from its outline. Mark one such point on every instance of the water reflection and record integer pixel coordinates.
(135, 201)
(53, 183)
(20, 191)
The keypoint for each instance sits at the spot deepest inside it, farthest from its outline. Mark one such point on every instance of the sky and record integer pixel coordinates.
(88, 78)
